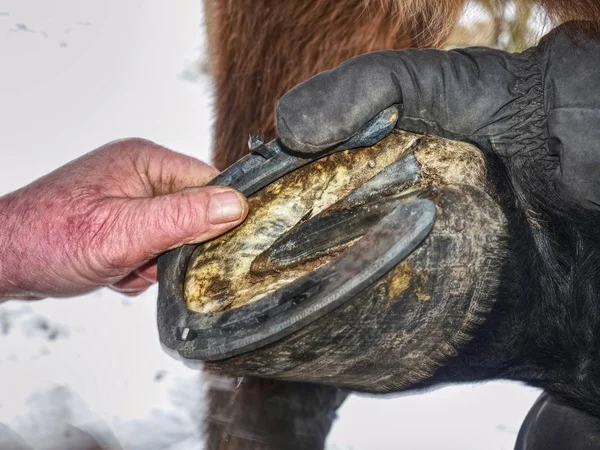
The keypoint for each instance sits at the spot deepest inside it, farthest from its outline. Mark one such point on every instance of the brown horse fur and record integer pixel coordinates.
(564, 10)
(258, 414)
(262, 48)
(259, 49)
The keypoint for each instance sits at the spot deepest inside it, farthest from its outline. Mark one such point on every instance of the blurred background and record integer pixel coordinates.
(75, 74)
(505, 24)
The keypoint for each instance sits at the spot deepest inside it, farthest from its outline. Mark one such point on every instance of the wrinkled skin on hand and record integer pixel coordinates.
(102, 219)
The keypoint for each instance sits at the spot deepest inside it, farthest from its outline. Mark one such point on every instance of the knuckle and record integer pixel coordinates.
(137, 143)
(134, 150)
(127, 146)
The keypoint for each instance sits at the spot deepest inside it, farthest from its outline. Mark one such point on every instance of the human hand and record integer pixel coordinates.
(102, 219)
(540, 107)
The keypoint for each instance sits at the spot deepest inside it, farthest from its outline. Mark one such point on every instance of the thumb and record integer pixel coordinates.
(189, 216)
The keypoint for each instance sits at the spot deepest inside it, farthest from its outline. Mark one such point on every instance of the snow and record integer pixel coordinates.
(76, 74)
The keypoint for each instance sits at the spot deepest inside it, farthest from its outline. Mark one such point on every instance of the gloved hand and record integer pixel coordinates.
(541, 106)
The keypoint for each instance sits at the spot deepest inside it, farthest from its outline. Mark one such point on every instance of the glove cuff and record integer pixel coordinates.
(526, 131)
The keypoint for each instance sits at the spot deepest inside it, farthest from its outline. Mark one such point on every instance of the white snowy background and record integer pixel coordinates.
(75, 74)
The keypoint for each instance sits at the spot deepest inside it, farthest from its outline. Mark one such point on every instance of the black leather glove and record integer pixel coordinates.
(542, 105)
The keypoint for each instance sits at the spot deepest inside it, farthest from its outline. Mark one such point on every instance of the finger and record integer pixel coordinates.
(453, 94)
(168, 171)
(148, 271)
(189, 216)
(132, 293)
(164, 171)
(131, 284)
